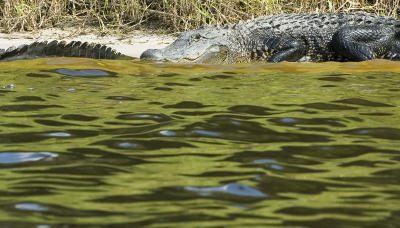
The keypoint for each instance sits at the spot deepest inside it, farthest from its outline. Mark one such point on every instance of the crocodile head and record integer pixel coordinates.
(204, 45)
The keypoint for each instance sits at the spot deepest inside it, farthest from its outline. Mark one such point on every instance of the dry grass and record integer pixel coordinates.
(167, 15)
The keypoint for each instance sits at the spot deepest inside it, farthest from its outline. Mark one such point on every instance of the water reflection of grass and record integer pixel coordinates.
(136, 67)
(350, 180)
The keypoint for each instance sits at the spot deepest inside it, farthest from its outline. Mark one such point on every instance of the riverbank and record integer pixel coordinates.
(132, 43)
(176, 16)
(122, 25)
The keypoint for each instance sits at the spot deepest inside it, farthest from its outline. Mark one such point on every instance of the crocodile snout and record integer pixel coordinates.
(151, 54)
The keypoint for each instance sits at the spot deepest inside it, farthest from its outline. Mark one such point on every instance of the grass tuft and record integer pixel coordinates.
(167, 15)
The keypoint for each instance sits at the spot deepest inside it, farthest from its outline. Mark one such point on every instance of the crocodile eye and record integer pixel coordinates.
(197, 37)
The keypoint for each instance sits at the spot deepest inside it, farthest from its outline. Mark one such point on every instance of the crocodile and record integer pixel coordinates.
(288, 37)
(274, 38)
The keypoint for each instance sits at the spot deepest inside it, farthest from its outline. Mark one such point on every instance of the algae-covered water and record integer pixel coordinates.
(86, 143)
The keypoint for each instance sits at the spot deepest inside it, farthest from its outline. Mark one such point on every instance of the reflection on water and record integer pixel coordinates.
(83, 73)
(267, 145)
(19, 157)
(233, 189)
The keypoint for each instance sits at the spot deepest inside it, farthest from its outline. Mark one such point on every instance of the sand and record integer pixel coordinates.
(131, 44)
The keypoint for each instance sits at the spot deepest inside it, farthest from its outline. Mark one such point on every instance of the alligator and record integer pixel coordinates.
(275, 38)
(288, 37)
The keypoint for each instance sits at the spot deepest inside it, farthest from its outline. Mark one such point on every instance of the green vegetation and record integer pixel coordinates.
(171, 15)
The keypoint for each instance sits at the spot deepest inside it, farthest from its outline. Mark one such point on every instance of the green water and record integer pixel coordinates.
(87, 143)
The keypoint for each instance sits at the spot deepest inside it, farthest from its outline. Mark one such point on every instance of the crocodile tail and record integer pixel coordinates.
(56, 48)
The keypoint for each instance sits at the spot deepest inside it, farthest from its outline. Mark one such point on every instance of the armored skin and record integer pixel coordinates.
(60, 49)
(288, 37)
(285, 37)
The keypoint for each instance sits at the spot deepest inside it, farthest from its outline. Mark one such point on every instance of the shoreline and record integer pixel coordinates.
(131, 44)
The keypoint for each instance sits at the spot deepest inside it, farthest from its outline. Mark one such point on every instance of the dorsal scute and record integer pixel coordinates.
(297, 23)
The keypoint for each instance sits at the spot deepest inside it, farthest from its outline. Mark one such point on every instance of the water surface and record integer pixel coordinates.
(87, 143)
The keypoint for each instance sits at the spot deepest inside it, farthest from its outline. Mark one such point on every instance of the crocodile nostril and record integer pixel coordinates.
(151, 54)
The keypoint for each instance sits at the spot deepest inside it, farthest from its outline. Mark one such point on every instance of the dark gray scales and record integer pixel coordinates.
(60, 49)
(324, 37)
(290, 37)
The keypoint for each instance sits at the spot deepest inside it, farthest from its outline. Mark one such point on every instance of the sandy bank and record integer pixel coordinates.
(132, 44)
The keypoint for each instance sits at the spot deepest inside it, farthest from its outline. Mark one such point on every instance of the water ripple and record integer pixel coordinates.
(83, 73)
(162, 145)
(19, 157)
(233, 189)
(31, 207)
